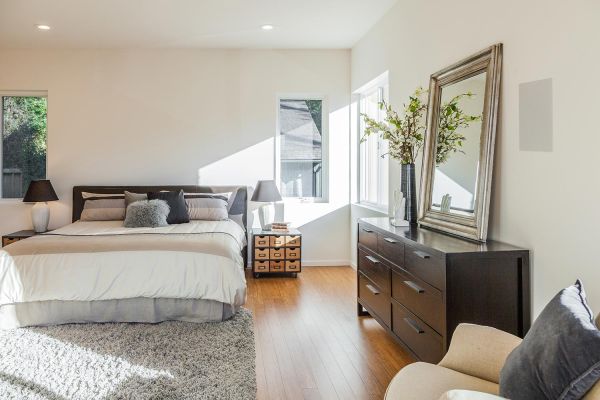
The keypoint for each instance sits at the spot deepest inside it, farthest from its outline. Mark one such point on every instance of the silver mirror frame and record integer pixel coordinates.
(471, 227)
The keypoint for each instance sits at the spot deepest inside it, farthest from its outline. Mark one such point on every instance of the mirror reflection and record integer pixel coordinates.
(457, 153)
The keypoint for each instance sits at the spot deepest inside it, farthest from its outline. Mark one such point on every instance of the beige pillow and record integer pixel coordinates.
(103, 210)
(207, 209)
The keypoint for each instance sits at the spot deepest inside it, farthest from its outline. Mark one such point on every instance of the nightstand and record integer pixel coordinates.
(16, 236)
(276, 252)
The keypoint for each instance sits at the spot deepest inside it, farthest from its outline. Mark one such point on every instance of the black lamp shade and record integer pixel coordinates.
(266, 191)
(39, 191)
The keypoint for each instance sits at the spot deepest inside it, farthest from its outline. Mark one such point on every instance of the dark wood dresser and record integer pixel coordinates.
(420, 284)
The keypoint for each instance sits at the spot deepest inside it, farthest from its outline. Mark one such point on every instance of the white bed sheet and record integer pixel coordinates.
(30, 274)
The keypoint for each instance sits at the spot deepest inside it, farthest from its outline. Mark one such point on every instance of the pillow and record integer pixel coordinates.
(133, 197)
(559, 357)
(207, 209)
(88, 195)
(147, 214)
(176, 202)
(97, 209)
(468, 395)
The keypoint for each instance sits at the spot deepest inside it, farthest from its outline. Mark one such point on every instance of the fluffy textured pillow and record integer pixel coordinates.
(176, 201)
(133, 197)
(103, 209)
(147, 214)
(207, 209)
(559, 357)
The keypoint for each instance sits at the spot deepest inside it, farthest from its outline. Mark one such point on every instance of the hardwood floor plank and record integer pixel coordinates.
(311, 345)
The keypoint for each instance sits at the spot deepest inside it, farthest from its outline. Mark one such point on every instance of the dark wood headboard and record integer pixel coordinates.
(239, 206)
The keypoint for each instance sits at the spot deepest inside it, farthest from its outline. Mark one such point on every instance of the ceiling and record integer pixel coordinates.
(187, 23)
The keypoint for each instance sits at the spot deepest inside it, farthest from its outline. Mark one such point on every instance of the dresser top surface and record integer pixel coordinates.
(437, 240)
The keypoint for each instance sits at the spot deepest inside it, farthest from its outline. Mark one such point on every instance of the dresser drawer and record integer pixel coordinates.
(420, 338)
(292, 253)
(292, 266)
(277, 241)
(390, 248)
(422, 299)
(261, 241)
(293, 241)
(261, 254)
(277, 266)
(277, 253)
(426, 266)
(367, 237)
(261, 266)
(374, 298)
(373, 268)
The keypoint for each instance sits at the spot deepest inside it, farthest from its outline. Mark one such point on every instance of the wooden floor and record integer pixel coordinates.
(311, 345)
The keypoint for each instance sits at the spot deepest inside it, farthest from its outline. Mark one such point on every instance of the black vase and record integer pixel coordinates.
(408, 187)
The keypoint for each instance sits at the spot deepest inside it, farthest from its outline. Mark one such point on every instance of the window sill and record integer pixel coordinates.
(371, 208)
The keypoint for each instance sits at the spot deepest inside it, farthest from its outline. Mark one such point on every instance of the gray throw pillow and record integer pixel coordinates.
(559, 357)
(147, 214)
(133, 197)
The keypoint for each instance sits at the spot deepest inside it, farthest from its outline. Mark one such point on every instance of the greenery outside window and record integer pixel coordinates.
(23, 131)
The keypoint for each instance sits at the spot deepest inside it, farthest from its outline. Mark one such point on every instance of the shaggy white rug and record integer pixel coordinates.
(170, 360)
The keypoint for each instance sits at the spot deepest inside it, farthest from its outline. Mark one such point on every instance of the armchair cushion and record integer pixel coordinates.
(560, 356)
(479, 351)
(423, 381)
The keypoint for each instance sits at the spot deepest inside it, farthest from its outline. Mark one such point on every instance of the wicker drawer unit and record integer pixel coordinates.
(276, 252)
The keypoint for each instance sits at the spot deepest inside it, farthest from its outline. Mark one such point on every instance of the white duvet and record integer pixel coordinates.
(87, 261)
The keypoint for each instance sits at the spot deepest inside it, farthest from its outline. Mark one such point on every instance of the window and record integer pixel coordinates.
(23, 130)
(373, 164)
(300, 148)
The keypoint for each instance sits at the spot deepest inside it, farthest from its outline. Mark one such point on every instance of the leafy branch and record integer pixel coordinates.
(405, 134)
(452, 118)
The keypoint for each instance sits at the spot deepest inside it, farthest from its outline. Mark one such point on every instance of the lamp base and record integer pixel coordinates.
(265, 216)
(40, 217)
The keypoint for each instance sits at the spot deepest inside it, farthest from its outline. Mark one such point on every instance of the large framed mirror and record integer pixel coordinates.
(458, 155)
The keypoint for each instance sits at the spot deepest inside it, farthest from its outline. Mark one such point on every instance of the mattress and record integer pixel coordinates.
(102, 261)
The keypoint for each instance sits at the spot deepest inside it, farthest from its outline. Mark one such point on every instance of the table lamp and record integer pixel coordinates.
(40, 192)
(266, 192)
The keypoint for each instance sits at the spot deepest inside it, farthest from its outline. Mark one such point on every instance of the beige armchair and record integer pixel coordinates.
(469, 371)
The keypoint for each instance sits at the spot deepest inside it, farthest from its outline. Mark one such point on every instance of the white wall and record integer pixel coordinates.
(182, 117)
(542, 201)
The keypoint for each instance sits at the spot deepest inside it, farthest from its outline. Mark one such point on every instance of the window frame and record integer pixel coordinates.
(19, 93)
(324, 145)
(382, 86)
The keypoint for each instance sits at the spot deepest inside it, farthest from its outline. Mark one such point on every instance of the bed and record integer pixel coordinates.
(102, 272)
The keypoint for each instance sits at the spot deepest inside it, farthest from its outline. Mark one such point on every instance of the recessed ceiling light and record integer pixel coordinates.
(267, 27)
(43, 27)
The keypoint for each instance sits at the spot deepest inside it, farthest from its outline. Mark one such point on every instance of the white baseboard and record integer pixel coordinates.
(325, 263)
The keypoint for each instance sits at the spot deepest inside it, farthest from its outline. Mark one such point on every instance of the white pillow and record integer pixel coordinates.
(468, 395)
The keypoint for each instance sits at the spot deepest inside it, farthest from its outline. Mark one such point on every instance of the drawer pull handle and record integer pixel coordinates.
(372, 259)
(390, 240)
(367, 230)
(413, 325)
(422, 255)
(414, 286)
(372, 289)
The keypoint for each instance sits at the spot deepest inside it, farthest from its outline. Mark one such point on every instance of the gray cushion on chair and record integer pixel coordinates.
(560, 356)
(147, 214)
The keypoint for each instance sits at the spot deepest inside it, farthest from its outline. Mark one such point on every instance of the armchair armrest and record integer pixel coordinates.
(479, 351)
